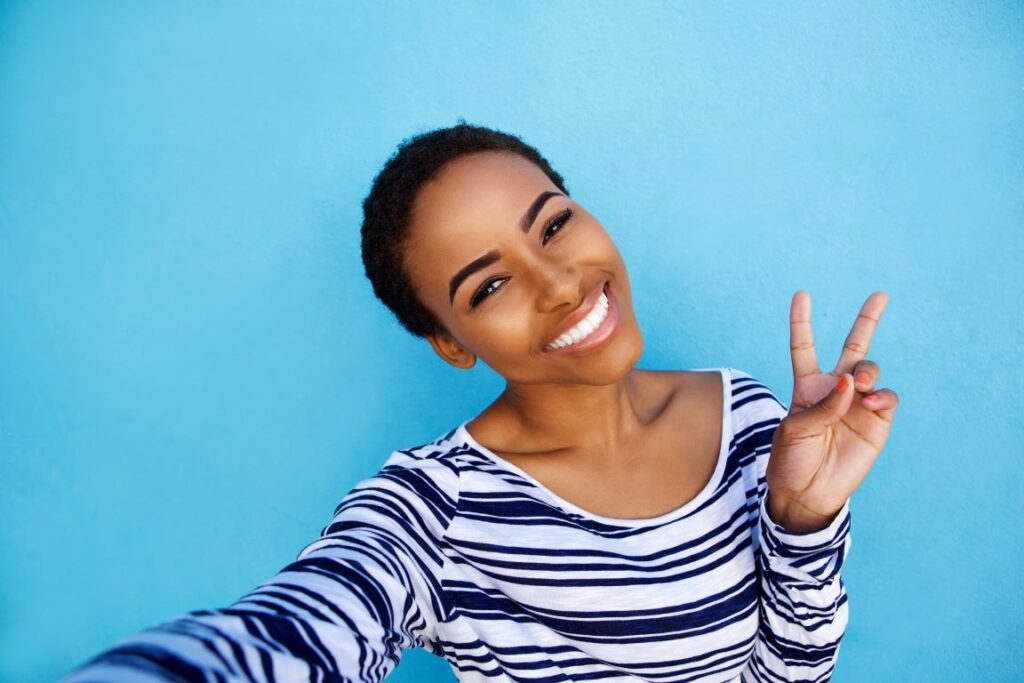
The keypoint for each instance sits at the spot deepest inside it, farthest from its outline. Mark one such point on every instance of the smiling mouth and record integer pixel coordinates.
(593, 327)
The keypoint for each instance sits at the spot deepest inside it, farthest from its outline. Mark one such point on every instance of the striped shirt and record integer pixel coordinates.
(455, 550)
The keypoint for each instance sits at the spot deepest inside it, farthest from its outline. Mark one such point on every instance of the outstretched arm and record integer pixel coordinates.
(342, 611)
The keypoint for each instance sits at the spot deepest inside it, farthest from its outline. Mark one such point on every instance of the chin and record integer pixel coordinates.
(617, 361)
(621, 360)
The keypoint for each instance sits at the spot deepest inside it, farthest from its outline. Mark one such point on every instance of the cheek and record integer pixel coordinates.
(510, 328)
(603, 249)
(601, 240)
(507, 331)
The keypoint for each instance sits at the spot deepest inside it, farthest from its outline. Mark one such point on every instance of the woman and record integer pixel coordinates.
(596, 521)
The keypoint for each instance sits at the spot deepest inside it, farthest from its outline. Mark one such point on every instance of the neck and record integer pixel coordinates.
(551, 417)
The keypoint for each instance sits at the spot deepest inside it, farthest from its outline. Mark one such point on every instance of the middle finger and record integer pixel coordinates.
(859, 339)
(865, 375)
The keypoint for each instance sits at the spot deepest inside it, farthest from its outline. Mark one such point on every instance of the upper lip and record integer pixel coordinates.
(581, 312)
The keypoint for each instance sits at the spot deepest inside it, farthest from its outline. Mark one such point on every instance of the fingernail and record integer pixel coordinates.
(841, 387)
(863, 378)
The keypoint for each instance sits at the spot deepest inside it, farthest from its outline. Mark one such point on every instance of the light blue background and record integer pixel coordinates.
(194, 370)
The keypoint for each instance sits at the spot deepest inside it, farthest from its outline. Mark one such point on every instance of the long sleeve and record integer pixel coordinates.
(803, 607)
(343, 611)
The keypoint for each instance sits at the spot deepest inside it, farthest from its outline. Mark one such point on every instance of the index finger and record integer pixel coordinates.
(801, 340)
(859, 339)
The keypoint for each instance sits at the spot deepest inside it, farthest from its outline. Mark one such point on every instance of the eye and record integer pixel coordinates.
(488, 288)
(556, 222)
(484, 291)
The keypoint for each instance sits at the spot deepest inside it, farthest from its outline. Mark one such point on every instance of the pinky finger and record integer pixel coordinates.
(882, 402)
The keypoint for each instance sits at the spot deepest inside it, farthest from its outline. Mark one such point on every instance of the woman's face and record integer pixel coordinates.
(507, 263)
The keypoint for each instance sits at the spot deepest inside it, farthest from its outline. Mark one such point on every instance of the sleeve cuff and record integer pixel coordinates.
(812, 557)
(806, 539)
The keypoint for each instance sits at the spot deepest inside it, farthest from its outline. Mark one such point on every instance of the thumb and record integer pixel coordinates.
(828, 410)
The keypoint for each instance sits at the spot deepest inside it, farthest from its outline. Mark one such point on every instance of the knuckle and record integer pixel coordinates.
(891, 397)
(823, 407)
(855, 346)
(868, 365)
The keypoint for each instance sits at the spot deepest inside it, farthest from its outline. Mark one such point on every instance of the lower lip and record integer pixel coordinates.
(599, 336)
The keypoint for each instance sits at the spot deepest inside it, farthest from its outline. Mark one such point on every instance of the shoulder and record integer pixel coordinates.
(428, 467)
(680, 379)
(416, 490)
(748, 388)
(440, 459)
(690, 390)
(743, 388)
(751, 402)
(754, 406)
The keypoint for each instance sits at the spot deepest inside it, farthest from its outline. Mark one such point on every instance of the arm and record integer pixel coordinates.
(802, 606)
(822, 449)
(342, 611)
(803, 610)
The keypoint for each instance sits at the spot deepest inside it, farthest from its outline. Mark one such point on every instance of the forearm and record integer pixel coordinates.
(338, 613)
(233, 645)
(803, 610)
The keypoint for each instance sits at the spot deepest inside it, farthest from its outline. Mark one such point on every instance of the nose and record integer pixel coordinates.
(559, 283)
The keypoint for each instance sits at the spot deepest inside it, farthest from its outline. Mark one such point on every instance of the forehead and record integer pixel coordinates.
(472, 206)
(479, 184)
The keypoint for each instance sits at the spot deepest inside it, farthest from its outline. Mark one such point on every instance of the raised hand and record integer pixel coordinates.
(837, 423)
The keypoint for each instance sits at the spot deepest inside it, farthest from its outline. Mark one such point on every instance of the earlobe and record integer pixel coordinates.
(451, 351)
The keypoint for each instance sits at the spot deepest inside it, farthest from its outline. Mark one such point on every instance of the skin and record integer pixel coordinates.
(837, 425)
(585, 418)
(475, 206)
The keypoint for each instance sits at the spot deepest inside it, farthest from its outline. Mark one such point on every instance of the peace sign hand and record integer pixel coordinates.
(836, 427)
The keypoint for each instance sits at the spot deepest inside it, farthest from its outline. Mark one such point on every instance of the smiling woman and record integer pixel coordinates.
(506, 263)
(596, 521)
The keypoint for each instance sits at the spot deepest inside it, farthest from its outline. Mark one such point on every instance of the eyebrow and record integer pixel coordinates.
(525, 223)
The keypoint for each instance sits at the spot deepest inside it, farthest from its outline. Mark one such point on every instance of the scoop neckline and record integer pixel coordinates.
(702, 495)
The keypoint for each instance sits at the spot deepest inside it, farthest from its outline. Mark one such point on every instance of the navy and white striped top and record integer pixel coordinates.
(455, 550)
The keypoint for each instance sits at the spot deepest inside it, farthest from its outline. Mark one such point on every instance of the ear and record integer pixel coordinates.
(451, 351)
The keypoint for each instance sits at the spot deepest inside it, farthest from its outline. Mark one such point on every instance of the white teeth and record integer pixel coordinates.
(584, 327)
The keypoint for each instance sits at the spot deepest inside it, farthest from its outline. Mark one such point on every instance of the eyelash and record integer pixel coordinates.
(558, 221)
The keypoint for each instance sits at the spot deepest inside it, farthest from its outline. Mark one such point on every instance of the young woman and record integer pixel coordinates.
(596, 521)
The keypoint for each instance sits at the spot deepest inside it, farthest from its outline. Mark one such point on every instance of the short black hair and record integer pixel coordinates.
(387, 209)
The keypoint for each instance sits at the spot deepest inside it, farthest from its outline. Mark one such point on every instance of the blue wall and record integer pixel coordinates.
(194, 371)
